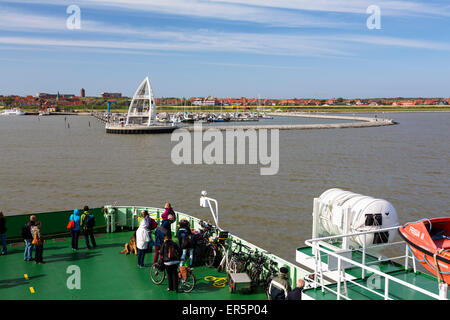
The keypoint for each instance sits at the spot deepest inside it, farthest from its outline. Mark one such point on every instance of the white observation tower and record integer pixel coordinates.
(141, 116)
(142, 108)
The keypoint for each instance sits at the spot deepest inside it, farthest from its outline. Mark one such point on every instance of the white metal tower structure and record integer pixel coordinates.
(142, 108)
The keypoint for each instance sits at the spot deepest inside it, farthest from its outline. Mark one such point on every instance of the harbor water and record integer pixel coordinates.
(56, 163)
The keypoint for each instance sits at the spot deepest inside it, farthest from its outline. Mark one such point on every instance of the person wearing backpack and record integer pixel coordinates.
(38, 242)
(75, 230)
(87, 223)
(185, 240)
(164, 230)
(28, 238)
(171, 257)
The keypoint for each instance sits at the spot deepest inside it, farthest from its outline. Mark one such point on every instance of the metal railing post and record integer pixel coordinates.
(339, 279)
(364, 257)
(386, 289)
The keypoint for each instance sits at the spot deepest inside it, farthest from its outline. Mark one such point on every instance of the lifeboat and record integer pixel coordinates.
(429, 242)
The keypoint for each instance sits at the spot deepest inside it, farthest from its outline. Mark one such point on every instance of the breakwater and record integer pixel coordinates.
(357, 122)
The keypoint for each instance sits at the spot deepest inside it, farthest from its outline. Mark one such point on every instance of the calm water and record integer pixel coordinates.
(46, 166)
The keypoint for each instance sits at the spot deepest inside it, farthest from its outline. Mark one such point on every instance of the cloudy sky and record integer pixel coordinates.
(227, 48)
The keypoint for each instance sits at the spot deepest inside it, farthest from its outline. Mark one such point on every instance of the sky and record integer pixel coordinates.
(227, 48)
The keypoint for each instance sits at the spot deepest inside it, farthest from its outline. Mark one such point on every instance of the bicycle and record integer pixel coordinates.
(272, 273)
(255, 272)
(186, 281)
(212, 243)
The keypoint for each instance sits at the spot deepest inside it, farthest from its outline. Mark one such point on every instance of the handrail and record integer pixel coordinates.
(314, 243)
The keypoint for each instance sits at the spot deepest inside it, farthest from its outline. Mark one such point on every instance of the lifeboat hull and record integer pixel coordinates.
(429, 242)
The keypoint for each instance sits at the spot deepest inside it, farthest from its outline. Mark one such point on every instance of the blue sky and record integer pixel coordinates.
(227, 48)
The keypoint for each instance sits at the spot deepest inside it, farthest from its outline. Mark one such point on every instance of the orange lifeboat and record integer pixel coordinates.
(429, 242)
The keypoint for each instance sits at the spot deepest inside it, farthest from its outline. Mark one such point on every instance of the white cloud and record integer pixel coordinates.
(391, 7)
(209, 9)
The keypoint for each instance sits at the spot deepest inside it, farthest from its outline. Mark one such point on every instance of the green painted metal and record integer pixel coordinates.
(105, 275)
(53, 223)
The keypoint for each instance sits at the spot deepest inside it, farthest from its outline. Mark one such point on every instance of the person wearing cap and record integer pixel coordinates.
(279, 287)
(296, 294)
(75, 231)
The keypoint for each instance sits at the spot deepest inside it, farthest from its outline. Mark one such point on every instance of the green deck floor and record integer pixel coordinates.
(105, 274)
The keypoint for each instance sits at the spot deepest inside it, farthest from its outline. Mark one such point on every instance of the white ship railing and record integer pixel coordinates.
(321, 246)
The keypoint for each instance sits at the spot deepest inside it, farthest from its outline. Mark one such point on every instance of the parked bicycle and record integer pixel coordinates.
(272, 273)
(186, 281)
(212, 239)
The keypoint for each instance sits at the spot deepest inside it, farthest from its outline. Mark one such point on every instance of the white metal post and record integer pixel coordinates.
(386, 288)
(345, 239)
(315, 215)
(339, 278)
(406, 257)
(364, 256)
(443, 291)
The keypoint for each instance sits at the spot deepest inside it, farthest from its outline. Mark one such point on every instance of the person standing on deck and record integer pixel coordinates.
(3, 233)
(296, 294)
(279, 287)
(28, 238)
(142, 241)
(185, 241)
(168, 210)
(38, 242)
(87, 223)
(150, 224)
(171, 256)
(164, 230)
(75, 231)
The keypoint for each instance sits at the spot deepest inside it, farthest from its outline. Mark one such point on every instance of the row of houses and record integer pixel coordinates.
(42, 101)
(211, 101)
(45, 100)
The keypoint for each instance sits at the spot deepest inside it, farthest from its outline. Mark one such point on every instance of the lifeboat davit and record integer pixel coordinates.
(429, 242)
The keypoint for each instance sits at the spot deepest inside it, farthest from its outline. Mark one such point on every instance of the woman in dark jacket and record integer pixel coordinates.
(161, 232)
(171, 262)
(3, 232)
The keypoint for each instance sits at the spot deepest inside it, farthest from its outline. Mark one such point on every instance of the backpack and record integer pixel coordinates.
(90, 223)
(185, 240)
(26, 232)
(154, 224)
(171, 251)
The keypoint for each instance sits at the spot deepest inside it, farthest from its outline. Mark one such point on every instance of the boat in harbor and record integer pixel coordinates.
(13, 112)
(142, 117)
(343, 260)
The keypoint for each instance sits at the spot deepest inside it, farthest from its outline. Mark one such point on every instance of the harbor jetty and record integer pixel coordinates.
(357, 122)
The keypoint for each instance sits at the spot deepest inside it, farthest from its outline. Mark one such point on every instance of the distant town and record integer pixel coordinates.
(54, 102)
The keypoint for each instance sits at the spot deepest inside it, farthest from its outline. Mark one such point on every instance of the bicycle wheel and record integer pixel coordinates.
(188, 284)
(210, 256)
(156, 274)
